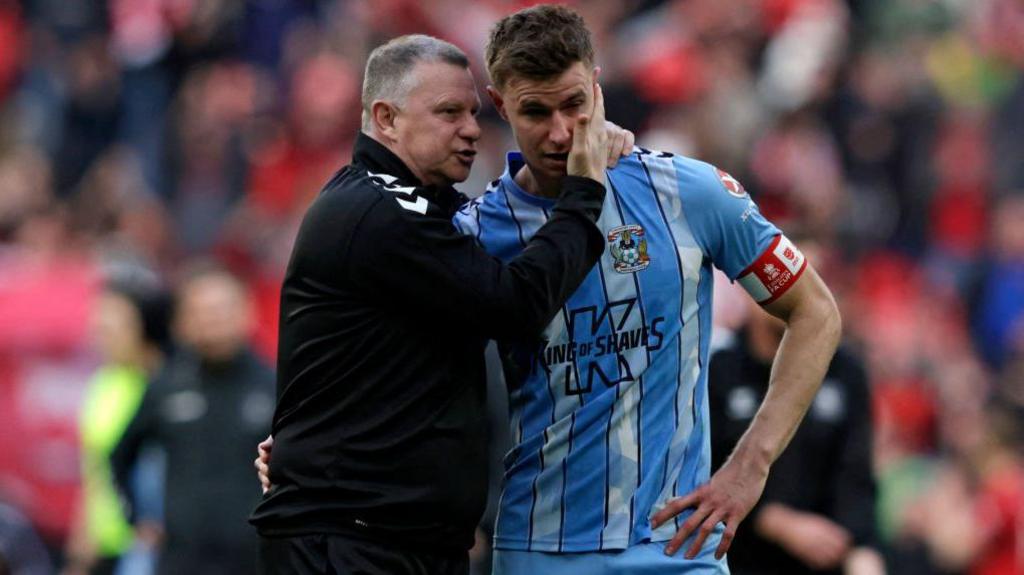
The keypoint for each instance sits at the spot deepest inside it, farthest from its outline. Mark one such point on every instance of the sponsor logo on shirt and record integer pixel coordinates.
(628, 245)
(586, 357)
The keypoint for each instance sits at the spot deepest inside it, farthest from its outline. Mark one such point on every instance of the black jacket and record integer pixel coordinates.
(207, 418)
(380, 425)
(826, 469)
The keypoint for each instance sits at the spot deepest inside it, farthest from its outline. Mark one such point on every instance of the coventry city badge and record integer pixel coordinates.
(629, 248)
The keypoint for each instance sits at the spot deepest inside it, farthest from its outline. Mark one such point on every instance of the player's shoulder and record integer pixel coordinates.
(698, 176)
(684, 169)
(347, 197)
(491, 196)
(467, 217)
(698, 182)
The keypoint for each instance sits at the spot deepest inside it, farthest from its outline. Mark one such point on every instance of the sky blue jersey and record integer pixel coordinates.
(609, 409)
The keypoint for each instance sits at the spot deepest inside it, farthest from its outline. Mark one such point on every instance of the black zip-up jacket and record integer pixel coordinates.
(380, 428)
(205, 416)
(826, 469)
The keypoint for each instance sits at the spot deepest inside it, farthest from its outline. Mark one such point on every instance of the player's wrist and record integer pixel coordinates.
(753, 458)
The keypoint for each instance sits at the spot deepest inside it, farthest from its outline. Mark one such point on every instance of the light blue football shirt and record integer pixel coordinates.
(609, 410)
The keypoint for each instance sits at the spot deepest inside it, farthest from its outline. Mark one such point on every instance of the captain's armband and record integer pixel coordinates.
(772, 274)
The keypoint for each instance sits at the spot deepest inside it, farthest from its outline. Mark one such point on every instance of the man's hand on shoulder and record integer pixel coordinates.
(620, 142)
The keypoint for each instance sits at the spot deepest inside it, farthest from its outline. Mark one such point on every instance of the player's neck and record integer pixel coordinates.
(538, 186)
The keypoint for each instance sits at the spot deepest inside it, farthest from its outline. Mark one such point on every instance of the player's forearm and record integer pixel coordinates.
(800, 364)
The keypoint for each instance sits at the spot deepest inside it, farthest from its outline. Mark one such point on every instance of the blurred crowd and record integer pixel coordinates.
(137, 136)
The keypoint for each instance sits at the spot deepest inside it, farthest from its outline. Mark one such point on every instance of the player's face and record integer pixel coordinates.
(214, 317)
(436, 128)
(542, 114)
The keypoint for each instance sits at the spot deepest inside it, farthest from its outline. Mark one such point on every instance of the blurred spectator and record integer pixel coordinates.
(287, 170)
(131, 329)
(999, 319)
(817, 511)
(91, 109)
(983, 489)
(121, 215)
(209, 406)
(213, 104)
(47, 286)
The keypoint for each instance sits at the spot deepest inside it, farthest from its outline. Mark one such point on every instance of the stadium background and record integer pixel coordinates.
(153, 132)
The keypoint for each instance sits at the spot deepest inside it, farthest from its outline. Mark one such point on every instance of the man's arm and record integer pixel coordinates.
(813, 327)
(424, 267)
(853, 483)
(124, 456)
(854, 488)
(815, 540)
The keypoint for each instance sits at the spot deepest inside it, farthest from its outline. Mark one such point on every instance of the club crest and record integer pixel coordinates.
(628, 245)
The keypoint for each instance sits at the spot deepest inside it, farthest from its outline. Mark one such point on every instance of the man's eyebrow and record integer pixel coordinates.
(531, 103)
(578, 94)
(449, 103)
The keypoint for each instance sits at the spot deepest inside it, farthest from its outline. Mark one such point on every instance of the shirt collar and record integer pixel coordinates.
(513, 163)
(376, 157)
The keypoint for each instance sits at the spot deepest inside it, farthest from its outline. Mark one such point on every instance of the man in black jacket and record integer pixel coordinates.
(205, 408)
(379, 459)
(817, 513)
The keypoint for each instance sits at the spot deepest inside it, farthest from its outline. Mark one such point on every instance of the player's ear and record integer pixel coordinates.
(498, 101)
(383, 116)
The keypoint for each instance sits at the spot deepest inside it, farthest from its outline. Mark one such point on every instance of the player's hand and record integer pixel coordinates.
(815, 540)
(262, 462)
(589, 154)
(863, 561)
(728, 497)
(620, 142)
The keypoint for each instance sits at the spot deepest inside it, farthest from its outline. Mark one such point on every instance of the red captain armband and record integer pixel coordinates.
(772, 274)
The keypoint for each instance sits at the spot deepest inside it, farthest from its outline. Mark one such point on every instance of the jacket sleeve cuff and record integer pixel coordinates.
(582, 194)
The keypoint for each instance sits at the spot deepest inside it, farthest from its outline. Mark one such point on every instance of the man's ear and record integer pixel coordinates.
(383, 115)
(498, 101)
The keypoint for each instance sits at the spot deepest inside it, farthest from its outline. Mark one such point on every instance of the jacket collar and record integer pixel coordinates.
(374, 156)
(377, 158)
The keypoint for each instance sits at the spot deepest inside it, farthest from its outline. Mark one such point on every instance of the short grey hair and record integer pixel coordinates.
(389, 68)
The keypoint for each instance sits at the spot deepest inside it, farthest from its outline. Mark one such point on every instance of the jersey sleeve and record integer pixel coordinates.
(728, 226)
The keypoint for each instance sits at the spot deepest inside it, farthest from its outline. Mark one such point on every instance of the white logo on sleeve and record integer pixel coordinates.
(405, 196)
